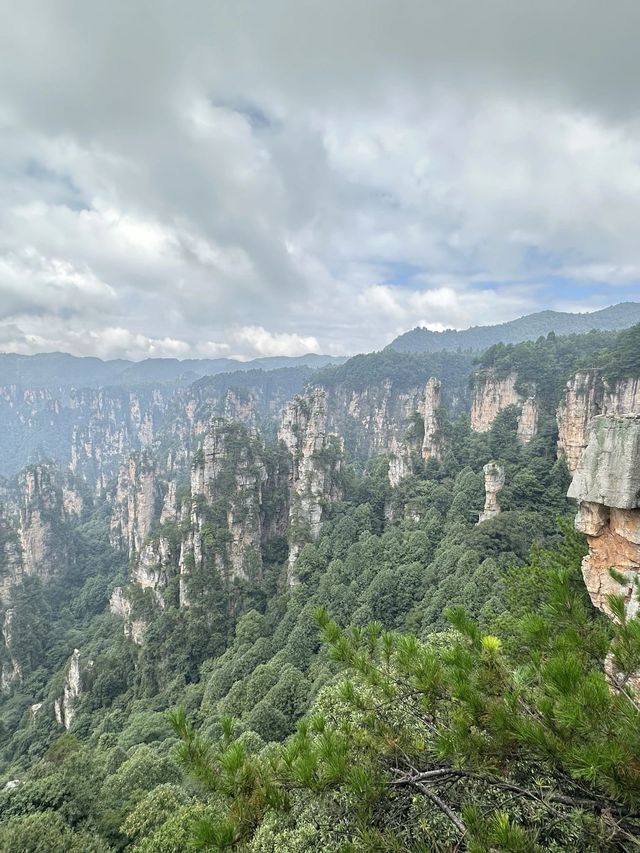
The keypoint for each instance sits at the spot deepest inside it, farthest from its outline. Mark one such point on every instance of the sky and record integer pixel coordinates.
(233, 178)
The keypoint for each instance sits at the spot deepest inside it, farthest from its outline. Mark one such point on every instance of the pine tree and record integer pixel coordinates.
(468, 741)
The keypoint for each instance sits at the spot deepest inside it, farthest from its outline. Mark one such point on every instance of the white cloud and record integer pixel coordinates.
(262, 342)
(277, 178)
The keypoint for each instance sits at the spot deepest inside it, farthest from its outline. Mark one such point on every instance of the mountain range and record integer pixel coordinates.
(527, 328)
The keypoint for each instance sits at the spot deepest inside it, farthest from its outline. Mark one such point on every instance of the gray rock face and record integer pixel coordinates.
(431, 442)
(228, 477)
(421, 438)
(65, 706)
(316, 467)
(11, 670)
(33, 521)
(491, 396)
(588, 395)
(528, 420)
(609, 470)
(493, 485)
(135, 505)
(606, 485)
(121, 606)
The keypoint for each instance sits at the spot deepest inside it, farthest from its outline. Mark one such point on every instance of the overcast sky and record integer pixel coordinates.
(283, 176)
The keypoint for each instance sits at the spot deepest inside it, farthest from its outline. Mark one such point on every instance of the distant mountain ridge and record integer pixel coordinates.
(61, 369)
(526, 328)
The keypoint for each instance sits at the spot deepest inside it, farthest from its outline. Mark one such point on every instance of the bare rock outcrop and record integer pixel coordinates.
(606, 485)
(587, 395)
(528, 420)
(432, 444)
(65, 706)
(494, 476)
(169, 503)
(491, 395)
(121, 606)
(135, 505)
(33, 522)
(422, 437)
(11, 672)
(228, 478)
(316, 467)
(583, 400)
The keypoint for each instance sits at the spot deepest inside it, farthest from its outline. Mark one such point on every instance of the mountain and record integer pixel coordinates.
(57, 369)
(526, 328)
(307, 610)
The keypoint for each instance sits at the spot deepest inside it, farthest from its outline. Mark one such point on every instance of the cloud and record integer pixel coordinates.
(263, 342)
(274, 178)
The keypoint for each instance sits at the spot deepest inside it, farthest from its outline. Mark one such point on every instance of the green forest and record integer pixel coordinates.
(429, 683)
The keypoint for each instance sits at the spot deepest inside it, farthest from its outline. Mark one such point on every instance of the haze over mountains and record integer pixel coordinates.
(57, 368)
(62, 369)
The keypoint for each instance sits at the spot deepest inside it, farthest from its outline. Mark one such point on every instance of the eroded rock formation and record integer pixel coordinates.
(587, 395)
(135, 505)
(121, 606)
(65, 706)
(432, 445)
(491, 395)
(228, 477)
(494, 476)
(582, 402)
(316, 467)
(606, 485)
(11, 673)
(528, 420)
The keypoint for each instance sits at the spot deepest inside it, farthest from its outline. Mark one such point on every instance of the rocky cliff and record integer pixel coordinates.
(492, 394)
(227, 480)
(64, 706)
(432, 443)
(583, 400)
(418, 435)
(494, 477)
(122, 607)
(606, 485)
(587, 395)
(11, 671)
(33, 525)
(315, 478)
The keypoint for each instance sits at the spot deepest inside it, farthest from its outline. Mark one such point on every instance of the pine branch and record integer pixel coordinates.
(444, 808)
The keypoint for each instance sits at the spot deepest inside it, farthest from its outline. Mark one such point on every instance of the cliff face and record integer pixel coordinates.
(623, 397)
(528, 420)
(606, 485)
(432, 445)
(316, 467)
(121, 606)
(372, 420)
(135, 504)
(494, 475)
(224, 516)
(11, 672)
(65, 706)
(420, 436)
(492, 395)
(586, 396)
(33, 524)
(582, 402)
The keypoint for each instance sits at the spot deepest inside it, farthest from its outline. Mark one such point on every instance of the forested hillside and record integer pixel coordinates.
(346, 617)
(527, 328)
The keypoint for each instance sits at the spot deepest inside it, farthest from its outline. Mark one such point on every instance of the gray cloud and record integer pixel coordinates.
(247, 179)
